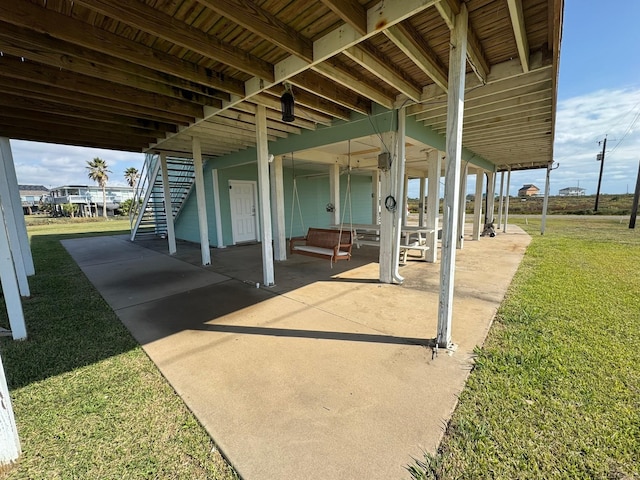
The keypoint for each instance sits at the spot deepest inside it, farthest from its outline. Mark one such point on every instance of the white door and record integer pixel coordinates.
(243, 210)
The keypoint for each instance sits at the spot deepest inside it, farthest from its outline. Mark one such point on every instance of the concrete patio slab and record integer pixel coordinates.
(326, 375)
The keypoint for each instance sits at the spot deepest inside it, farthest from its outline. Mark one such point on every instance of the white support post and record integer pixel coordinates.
(168, 207)
(405, 200)
(9, 281)
(386, 215)
(433, 203)
(477, 205)
(12, 221)
(9, 441)
(501, 201)
(216, 208)
(277, 210)
(334, 193)
(506, 202)
(491, 197)
(6, 158)
(201, 201)
(375, 196)
(264, 195)
(455, 114)
(421, 203)
(545, 203)
(462, 214)
(400, 192)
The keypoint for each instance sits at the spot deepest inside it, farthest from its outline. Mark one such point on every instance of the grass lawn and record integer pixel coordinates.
(555, 392)
(89, 403)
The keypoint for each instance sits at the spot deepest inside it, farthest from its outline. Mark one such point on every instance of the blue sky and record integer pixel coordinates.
(599, 94)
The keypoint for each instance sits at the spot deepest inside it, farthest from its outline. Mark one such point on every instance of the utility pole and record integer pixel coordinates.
(600, 157)
(634, 208)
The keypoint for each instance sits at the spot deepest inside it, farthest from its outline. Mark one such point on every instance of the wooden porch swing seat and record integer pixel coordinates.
(323, 243)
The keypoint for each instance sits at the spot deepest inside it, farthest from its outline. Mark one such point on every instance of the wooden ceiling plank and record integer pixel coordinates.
(141, 16)
(353, 82)
(351, 12)
(384, 71)
(48, 22)
(520, 32)
(320, 86)
(28, 71)
(270, 101)
(60, 54)
(257, 20)
(275, 117)
(414, 47)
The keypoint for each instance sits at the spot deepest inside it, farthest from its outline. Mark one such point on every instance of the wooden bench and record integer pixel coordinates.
(323, 243)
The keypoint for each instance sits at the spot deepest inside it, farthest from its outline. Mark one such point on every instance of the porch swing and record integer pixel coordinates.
(327, 243)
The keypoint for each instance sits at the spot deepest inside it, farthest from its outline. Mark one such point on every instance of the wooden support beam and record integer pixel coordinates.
(168, 207)
(264, 204)
(141, 16)
(416, 48)
(48, 22)
(520, 32)
(351, 12)
(201, 202)
(320, 86)
(457, 49)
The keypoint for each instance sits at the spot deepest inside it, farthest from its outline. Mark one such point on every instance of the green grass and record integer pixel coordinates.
(555, 392)
(88, 402)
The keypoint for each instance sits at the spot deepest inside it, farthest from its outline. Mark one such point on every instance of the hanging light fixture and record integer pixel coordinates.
(287, 104)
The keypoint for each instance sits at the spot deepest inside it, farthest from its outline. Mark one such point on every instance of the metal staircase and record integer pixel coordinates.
(147, 215)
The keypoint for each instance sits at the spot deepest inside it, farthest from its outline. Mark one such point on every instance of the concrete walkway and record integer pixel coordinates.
(324, 376)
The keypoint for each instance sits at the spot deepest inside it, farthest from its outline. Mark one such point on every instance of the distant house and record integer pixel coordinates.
(30, 196)
(528, 190)
(88, 198)
(571, 192)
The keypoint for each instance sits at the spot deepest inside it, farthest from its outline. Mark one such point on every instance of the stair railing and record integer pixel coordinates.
(148, 175)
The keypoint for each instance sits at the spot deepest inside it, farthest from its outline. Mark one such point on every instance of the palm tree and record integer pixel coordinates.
(98, 171)
(131, 175)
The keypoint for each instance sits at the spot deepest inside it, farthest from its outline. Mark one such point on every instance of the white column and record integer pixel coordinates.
(9, 281)
(216, 208)
(9, 440)
(421, 203)
(375, 196)
(501, 201)
(202, 202)
(455, 113)
(405, 200)
(168, 207)
(545, 203)
(386, 215)
(334, 193)
(400, 192)
(506, 202)
(277, 210)
(263, 195)
(477, 206)
(6, 158)
(491, 197)
(433, 203)
(462, 213)
(11, 219)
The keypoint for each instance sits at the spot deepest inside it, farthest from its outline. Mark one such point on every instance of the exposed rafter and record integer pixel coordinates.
(319, 85)
(351, 12)
(520, 32)
(416, 48)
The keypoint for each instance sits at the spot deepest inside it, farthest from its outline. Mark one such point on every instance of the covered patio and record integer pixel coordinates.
(326, 375)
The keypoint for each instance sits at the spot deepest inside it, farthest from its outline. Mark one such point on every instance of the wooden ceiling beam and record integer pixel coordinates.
(273, 127)
(275, 117)
(22, 42)
(267, 26)
(143, 17)
(351, 12)
(448, 9)
(404, 36)
(332, 70)
(64, 98)
(320, 86)
(272, 100)
(72, 137)
(384, 70)
(520, 32)
(62, 27)
(29, 71)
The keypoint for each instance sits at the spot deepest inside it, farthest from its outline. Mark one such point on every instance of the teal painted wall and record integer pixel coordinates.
(309, 208)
